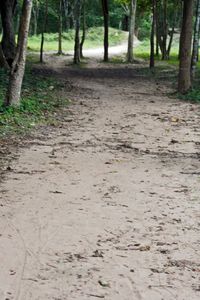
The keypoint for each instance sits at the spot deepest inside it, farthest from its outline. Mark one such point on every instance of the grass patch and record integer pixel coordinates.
(39, 105)
(94, 38)
(142, 51)
(192, 95)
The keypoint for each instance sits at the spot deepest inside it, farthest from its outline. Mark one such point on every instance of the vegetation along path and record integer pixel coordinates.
(106, 206)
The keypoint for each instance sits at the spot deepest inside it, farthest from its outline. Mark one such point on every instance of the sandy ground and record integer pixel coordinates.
(106, 206)
(99, 52)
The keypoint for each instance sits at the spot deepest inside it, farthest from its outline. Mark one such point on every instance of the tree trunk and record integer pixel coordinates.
(157, 32)
(171, 33)
(60, 52)
(170, 42)
(3, 62)
(184, 80)
(43, 32)
(84, 31)
(77, 32)
(152, 54)
(8, 45)
(106, 30)
(196, 40)
(35, 10)
(133, 4)
(66, 15)
(17, 71)
(165, 29)
(181, 24)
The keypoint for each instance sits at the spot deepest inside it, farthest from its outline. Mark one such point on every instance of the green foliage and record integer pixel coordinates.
(191, 95)
(94, 38)
(144, 27)
(40, 102)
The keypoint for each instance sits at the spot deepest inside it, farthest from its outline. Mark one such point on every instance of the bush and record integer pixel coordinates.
(144, 28)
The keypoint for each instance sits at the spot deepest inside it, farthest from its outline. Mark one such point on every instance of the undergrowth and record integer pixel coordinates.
(192, 95)
(40, 102)
(94, 38)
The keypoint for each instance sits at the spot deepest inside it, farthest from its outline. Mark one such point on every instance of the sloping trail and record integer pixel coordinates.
(113, 50)
(107, 206)
(92, 54)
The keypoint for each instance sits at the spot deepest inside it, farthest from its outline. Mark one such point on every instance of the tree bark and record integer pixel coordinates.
(165, 29)
(181, 24)
(66, 15)
(84, 30)
(184, 79)
(43, 32)
(106, 28)
(77, 32)
(171, 33)
(195, 50)
(152, 46)
(17, 71)
(157, 29)
(60, 52)
(130, 56)
(7, 8)
(35, 11)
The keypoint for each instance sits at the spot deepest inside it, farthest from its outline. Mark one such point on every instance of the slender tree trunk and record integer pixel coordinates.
(35, 16)
(181, 24)
(133, 4)
(8, 45)
(165, 29)
(60, 52)
(157, 29)
(152, 54)
(84, 31)
(171, 33)
(184, 80)
(196, 40)
(170, 42)
(3, 62)
(77, 32)
(106, 30)
(18, 66)
(66, 14)
(43, 32)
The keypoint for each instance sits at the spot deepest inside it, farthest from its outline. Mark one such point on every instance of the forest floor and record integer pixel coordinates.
(107, 205)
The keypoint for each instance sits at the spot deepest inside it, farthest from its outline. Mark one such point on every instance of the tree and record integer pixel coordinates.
(44, 29)
(35, 13)
(60, 52)
(152, 44)
(84, 29)
(196, 40)
(133, 4)
(17, 70)
(77, 15)
(184, 79)
(106, 29)
(7, 9)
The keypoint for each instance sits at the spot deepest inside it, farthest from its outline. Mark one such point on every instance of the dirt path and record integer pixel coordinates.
(106, 207)
(92, 54)
(99, 52)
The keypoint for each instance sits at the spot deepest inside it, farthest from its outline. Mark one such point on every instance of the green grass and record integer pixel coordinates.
(142, 51)
(94, 38)
(41, 100)
(170, 68)
(193, 95)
